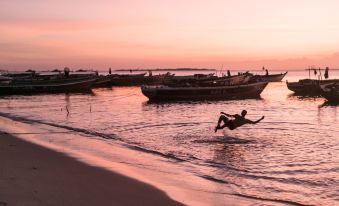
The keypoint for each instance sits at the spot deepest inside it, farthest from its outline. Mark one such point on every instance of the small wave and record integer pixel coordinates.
(214, 164)
(213, 179)
(225, 140)
(207, 177)
(292, 181)
(272, 200)
(168, 155)
(177, 124)
(80, 130)
(249, 174)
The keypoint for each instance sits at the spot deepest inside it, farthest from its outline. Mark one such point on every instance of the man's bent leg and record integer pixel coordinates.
(224, 119)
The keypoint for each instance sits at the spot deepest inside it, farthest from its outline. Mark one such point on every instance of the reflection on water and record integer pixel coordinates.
(291, 156)
(293, 96)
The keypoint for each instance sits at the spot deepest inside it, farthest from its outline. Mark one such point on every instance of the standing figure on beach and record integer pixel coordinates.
(66, 71)
(237, 121)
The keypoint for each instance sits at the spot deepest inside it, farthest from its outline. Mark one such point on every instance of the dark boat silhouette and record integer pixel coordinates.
(166, 93)
(269, 78)
(309, 87)
(49, 86)
(330, 92)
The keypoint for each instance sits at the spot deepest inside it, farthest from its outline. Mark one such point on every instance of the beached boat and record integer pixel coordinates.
(102, 81)
(173, 80)
(166, 93)
(193, 77)
(138, 79)
(210, 80)
(5, 80)
(269, 77)
(64, 86)
(129, 79)
(227, 80)
(330, 92)
(19, 75)
(309, 87)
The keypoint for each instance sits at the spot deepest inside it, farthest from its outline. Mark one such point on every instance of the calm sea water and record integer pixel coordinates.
(292, 156)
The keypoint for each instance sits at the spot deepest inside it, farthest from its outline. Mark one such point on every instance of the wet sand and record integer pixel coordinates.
(33, 175)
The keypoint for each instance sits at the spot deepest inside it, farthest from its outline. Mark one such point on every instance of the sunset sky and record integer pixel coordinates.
(279, 34)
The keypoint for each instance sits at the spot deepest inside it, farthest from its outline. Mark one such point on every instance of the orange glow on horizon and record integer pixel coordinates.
(160, 34)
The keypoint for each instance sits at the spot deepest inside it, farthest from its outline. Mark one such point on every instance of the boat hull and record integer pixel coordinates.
(164, 93)
(308, 87)
(331, 97)
(67, 87)
(130, 80)
(330, 92)
(102, 81)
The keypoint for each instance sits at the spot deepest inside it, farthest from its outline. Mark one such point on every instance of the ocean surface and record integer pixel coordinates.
(291, 157)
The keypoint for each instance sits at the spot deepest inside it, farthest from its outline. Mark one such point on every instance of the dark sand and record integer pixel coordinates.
(33, 175)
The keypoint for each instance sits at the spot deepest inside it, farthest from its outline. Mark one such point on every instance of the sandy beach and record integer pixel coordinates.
(33, 175)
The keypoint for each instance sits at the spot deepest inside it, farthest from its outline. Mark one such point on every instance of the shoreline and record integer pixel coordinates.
(169, 181)
(33, 175)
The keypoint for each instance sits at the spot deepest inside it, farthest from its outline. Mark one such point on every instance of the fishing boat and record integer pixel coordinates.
(269, 77)
(330, 92)
(57, 86)
(102, 81)
(194, 77)
(227, 80)
(210, 80)
(5, 80)
(19, 75)
(166, 93)
(129, 79)
(311, 87)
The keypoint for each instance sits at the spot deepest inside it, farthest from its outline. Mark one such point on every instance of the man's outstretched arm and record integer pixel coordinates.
(254, 122)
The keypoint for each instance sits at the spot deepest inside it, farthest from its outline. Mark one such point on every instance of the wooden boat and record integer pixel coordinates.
(166, 93)
(269, 78)
(19, 75)
(330, 92)
(194, 77)
(5, 80)
(129, 79)
(209, 81)
(102, 81)
(227, 80)
(309, 87)
(64, 86)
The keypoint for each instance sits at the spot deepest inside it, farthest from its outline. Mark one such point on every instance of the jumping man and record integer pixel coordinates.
(237, 121)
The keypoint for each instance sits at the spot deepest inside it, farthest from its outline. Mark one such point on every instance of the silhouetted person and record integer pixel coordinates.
(266, 72)
(326, 73)
(228, 73)
(110, 71)
(237, 121)
(66, 71)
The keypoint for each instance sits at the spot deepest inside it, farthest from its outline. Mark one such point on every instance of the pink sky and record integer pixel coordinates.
(279, 34)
